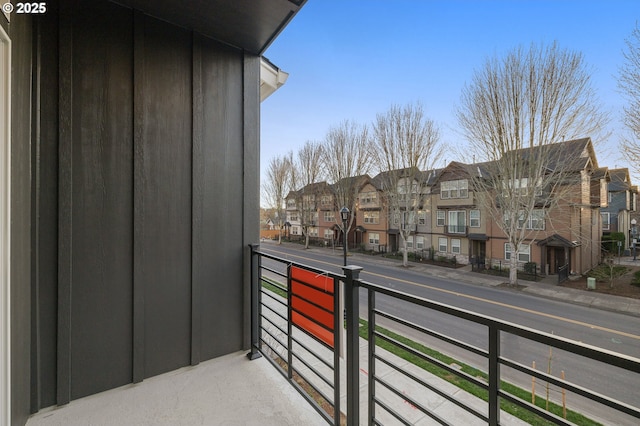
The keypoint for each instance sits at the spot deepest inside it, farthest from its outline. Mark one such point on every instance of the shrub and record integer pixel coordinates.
(636, 278)
(610, 242)
(530, 267)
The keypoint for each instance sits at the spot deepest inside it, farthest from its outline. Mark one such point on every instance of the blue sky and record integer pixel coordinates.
(352, 59)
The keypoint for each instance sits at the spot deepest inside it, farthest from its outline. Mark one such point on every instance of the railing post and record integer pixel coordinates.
(255, 305)
(494, 375)
(351, 303)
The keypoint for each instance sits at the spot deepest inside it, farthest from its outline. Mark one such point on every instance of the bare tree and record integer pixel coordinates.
(514, 114)
(406, 144)
(629, 84)
(276, 188)
(307, 173)
(346, 160)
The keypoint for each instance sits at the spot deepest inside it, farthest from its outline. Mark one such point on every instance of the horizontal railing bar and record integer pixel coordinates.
(470, 348)
(434, 361)
(572, 387)
(266, 268)
(275, 337)
(314, 370)
(314, 387)
(315, 354)
(392, 412)
(434, 389)
(411, 401)
(317, 340)
(313, 403)
(302, 266)
(280, 329)
(599, 354)
(275, 298)
(271, 312)
(547, 415)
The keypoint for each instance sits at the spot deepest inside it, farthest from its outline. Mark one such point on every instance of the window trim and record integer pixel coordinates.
(606, 227)
(458, 245)
(446, 244)
(441, 221)
(471, 219)
(374, 240)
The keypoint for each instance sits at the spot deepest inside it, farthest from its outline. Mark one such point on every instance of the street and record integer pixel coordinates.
(605, 329)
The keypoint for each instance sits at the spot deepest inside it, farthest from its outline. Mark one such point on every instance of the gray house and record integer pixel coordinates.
(128, 129)
(616, 217)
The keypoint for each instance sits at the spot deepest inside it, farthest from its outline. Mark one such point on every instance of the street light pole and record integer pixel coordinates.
(344, 215)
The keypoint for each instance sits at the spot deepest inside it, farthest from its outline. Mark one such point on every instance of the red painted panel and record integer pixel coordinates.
(320, 281)
(313, 303)
(311, 327)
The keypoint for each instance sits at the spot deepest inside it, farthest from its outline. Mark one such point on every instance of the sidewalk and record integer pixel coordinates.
(547, 288)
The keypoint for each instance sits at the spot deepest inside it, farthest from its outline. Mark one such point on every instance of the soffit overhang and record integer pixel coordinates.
(251, 25)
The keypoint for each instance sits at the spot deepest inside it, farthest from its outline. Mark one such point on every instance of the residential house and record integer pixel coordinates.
(621, 200)
(372, 216)
(134, 128)
(458, 224)
(569, 232)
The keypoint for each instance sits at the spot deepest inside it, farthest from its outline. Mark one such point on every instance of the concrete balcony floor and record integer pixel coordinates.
(230, 390)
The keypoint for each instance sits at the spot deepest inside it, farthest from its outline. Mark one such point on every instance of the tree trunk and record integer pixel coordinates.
(306, 240)
(280, 237)
(513, 269)
(405, 254)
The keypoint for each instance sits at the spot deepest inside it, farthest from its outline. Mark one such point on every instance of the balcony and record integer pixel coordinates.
(459, 230)
(309, 369)
(383, 367)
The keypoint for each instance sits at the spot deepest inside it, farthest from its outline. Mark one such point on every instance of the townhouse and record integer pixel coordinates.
(621, 203)
(446, 218)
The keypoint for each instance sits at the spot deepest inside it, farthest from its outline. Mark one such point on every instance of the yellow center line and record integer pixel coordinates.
(480, 299)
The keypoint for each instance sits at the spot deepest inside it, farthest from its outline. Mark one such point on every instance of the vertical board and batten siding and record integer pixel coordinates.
(19, 32)
(148, 137)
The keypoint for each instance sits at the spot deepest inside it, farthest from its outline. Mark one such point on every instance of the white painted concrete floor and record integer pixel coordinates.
(230, 391)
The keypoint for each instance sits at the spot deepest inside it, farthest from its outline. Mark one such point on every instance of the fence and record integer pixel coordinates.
(470, 349)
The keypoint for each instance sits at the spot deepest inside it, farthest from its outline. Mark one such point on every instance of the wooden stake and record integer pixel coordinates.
(564, 397)
(533, 386)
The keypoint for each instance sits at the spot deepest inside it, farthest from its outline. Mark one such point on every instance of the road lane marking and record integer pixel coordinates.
(479, 299)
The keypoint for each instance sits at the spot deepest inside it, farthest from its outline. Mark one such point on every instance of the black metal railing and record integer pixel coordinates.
(411, 340)
(456, 229)
(563, 273)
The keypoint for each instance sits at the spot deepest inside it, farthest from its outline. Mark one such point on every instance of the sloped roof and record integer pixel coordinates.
(620, 180)
(573, 155)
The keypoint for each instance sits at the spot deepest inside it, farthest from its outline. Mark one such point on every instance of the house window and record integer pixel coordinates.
(326, 200)
(371, 217)
(410, 242)
(291, 203)
(606, 221)
(455, 245)
(534, 221)
(457, 222)
(330, 216)
(521, 186)
(295, 230)
(328, 234)
(454, 189)
(369, 198)
(442, 245)
(524, 252)
(419, 243)
(313, 232)
(293, 217)
(474, 218)
(440, 218)
(374, 238)
(422, 217)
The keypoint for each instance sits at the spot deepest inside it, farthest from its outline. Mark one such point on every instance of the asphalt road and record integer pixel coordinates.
(610, 330)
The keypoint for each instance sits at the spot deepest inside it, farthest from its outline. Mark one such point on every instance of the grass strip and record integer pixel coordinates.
(478, 392)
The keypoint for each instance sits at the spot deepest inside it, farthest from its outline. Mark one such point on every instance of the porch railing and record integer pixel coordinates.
(468, 348)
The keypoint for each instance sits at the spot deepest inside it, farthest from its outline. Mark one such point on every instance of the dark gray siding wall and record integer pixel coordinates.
(148, 135)
(20, 34)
